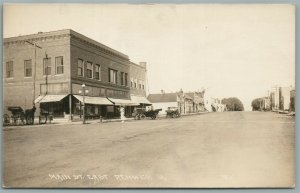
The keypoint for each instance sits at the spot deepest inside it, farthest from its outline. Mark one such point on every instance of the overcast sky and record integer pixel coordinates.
(231, 50)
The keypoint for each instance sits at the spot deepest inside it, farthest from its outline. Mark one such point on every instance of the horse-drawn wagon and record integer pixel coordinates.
(19, 116)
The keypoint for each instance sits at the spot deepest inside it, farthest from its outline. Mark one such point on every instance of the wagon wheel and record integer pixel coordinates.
(174, 115)
(29, 120)
(137, 117)
(143, 116)
(6, 119)
(14, 119)
(153, 116)
(22, 119)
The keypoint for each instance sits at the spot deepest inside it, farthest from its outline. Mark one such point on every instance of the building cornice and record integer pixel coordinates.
(101, 48)
(61, 34)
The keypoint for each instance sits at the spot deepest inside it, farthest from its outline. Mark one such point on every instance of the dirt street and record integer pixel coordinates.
(229, 149)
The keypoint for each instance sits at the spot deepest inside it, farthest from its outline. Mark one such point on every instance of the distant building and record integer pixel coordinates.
(292, 100)
(185, 102)
(214, 105)
(198, 101)
(285, 98)
(275, 98)
(266, 103)
(165, 100)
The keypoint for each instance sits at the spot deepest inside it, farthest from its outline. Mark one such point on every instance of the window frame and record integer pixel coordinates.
(25, 72)
(8, 74)
(57, 66)
(122, 78)
(89, 71)
(126, 79)
(115, 79)
(97, 66)
(81, 68)
(48, 67)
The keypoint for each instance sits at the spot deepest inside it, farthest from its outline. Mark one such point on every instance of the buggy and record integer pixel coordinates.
(17, 117)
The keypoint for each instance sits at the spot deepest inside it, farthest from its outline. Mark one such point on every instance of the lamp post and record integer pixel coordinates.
(83, 100)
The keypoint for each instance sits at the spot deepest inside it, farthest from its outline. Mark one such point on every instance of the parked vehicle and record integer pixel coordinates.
(18, 115)
(173, 112)
(45, 116)
(142, 113)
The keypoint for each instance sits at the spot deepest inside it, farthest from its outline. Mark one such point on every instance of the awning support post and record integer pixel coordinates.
(70, 108)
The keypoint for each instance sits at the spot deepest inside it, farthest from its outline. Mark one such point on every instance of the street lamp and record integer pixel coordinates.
(83, 100)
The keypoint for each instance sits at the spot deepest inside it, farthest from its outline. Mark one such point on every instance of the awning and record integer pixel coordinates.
(49, 98)
(140, 99)
(93, 100)
(123, 102)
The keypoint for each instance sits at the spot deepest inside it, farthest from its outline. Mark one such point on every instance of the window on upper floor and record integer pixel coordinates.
(9, 69)
(122, 78)
(80, 67)
(126, 79)
(27, 68)
(135, 83)
(89, 70)
(47, 66)
(131, 82)
(112, 76)
(59, 63)
(97, 75)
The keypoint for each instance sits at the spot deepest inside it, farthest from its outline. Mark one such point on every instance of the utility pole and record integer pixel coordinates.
(34, 75)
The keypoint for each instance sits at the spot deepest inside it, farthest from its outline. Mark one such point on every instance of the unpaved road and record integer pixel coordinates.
(230, 149)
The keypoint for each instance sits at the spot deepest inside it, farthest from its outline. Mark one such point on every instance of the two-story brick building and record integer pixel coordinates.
(48, 70)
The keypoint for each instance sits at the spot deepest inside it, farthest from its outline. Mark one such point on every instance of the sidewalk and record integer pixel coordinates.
(94, 121)
(64, 121)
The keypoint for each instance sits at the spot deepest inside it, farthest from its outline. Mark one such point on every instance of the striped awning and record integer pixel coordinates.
(140, 99)
(123, 102)
(49, 98)
(93, 100)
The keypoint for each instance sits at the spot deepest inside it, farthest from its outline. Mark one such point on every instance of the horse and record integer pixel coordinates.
(29, 115)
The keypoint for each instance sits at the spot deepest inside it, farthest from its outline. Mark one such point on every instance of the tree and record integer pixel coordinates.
(233, 104)
(257, 104)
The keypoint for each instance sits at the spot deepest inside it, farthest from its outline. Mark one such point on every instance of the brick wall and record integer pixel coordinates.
(18, 90)
(89, 53)
(138, 72)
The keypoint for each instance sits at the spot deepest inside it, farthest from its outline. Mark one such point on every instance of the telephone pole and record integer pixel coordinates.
(34, 74)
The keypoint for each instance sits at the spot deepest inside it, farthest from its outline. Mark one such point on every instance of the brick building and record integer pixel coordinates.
(285, 98)
(51, 75)
(292, 100)
(138, 94)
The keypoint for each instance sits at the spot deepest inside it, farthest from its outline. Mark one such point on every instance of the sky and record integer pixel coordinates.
(229, 50)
